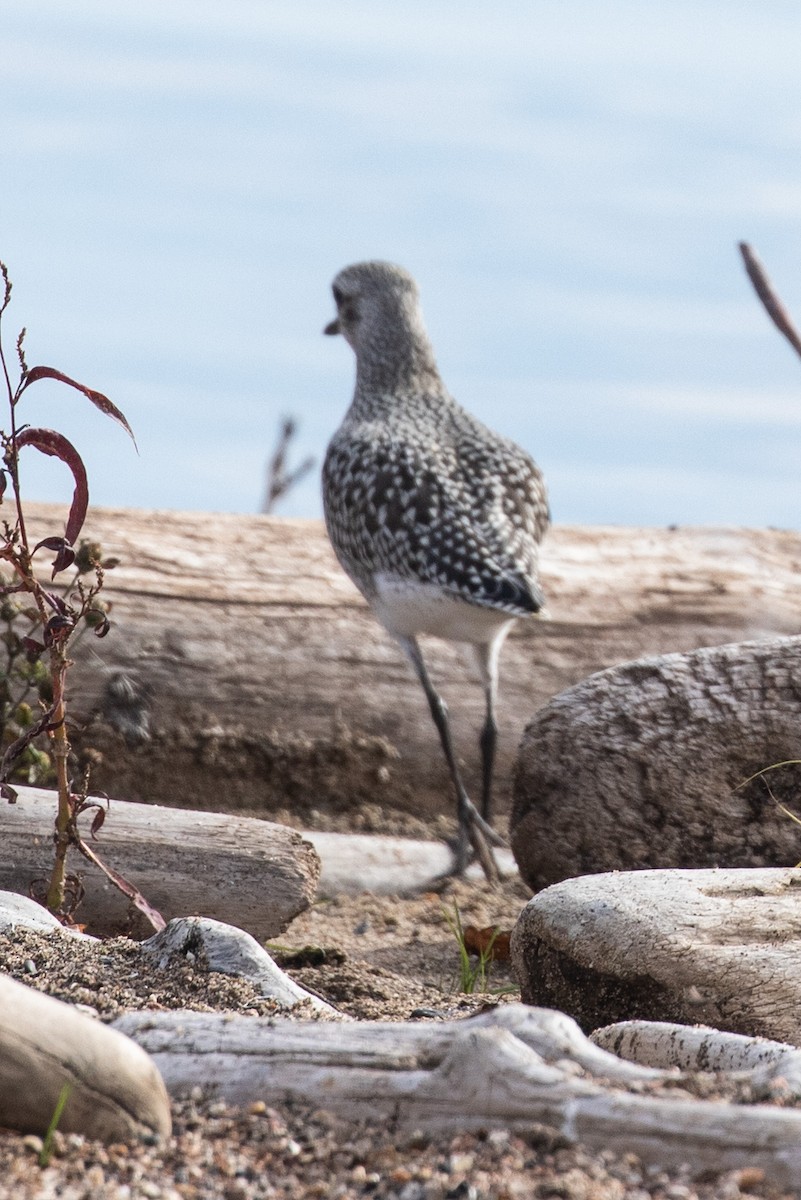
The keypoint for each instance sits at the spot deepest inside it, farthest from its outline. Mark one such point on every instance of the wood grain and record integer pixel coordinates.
(273, 686)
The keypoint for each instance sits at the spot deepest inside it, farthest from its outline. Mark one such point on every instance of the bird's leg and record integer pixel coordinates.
(487, 655)
(488, 742)
(473, 829)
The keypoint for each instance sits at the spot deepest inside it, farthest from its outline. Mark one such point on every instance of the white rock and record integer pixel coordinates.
(20, 912)
(720, 947)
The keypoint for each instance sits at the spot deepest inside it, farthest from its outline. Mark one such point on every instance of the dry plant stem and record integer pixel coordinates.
(60, 621)
(769, 297)
(61, 749)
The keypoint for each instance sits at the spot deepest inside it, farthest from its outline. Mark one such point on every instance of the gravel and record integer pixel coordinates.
(384, 958)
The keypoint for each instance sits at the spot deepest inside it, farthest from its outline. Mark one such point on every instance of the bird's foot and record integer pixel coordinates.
(474, 840)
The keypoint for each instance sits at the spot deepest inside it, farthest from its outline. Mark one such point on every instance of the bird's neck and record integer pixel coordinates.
(406, 366)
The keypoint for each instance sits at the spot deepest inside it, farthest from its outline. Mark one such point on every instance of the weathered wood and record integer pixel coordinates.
(772, 1068)
(505, 1069)
(273, 686)
(231, 951)
(248, 872)
(722, 948)
(115, 1091)
(645, 765)
(387, 866)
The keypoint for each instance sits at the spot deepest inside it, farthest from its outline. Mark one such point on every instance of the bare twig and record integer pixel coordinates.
(767, 294)
(279, 479)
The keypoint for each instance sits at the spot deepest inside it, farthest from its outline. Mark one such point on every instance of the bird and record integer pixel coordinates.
(437, 519)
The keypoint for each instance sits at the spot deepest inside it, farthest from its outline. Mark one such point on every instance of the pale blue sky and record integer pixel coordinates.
(567, 181)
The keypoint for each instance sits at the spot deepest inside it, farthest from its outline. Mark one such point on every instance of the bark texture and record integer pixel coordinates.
(774, 1068)
(267, 683)
(507, 1069)
(644, 765)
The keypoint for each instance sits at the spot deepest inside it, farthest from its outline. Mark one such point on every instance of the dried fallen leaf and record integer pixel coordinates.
(491, 942)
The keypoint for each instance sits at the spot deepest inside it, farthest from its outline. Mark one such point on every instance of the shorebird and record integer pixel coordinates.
(436, 519)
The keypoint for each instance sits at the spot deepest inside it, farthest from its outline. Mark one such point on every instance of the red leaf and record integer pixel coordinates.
(98, 399)
(97, 821)
(65, 555)
(57, 446)
(57, 630)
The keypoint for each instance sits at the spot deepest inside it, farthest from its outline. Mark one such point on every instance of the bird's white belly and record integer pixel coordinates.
(407, 607)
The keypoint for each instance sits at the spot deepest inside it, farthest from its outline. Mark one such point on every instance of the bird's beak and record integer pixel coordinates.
(333, 327)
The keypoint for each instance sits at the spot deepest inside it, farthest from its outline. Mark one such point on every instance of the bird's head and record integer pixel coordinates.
(376, 301)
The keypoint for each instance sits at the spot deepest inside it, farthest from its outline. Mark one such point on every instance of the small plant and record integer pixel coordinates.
(37, 661)
(46, 1152)
(473, 976)
(788, 762)
(25, 679)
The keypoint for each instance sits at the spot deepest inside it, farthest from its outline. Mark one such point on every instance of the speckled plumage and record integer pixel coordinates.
(436, 518)
(413, 485)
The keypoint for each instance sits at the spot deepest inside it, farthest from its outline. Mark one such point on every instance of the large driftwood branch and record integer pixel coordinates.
(247, 872)
(644, 765)
(272, 685)
(504, 1069)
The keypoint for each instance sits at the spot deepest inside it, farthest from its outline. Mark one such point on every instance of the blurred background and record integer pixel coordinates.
(179, 182)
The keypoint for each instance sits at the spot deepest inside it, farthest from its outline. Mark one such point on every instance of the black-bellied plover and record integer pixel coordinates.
(436, 519)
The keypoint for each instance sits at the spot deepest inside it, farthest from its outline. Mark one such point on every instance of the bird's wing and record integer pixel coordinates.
(466, 519)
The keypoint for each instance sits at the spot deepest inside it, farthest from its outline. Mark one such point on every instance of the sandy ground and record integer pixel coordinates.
(372, 957)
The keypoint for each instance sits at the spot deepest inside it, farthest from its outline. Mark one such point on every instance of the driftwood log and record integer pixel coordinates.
(646, 765)
(721, 948)
(247, 872)
(772, 1068)
(267, 684)
(508, 1069)
(231, 951)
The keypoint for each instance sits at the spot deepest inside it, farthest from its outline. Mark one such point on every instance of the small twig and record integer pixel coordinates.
(279, 479)
(767, 294)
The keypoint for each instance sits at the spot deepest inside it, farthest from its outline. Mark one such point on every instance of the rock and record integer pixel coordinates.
(643, 765)
(233, 952)
(721, 947)
(116, 1091)
(251, 873)
(20, 912)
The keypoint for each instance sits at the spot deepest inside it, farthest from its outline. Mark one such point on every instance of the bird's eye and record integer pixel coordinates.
(339, 295)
